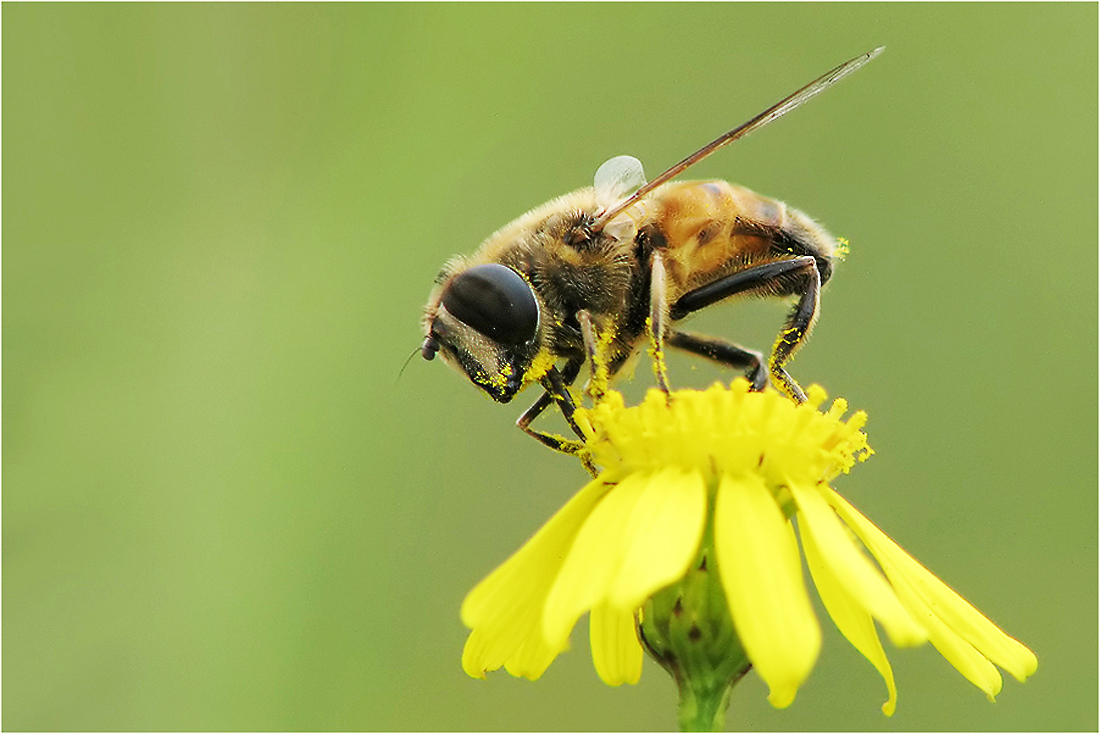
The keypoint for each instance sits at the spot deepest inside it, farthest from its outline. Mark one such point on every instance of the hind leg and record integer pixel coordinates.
(797, 276)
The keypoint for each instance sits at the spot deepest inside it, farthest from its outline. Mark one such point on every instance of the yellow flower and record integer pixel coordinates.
(739, 467)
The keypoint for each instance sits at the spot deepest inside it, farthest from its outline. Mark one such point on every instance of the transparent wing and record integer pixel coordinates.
(774, 112)
(616, 179)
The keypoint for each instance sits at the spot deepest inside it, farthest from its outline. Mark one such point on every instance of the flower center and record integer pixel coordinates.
(729, 431)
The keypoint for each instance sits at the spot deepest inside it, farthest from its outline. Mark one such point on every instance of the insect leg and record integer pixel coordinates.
(557, 387)
(594, 349)
(658, 319)
(797, 276)
(724, 352)
(557, 391)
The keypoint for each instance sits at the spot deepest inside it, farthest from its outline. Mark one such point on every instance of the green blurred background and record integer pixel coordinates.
(223, 510)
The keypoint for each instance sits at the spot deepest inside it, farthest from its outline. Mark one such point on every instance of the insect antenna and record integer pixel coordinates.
(772, 113)
(401, 371)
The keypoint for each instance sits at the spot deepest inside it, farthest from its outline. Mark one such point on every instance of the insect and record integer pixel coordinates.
(594, 275)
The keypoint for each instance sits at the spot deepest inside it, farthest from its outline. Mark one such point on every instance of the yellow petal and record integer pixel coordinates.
(526, 654)
(504, 610)
(641, 537)
(532, 658)
(662, 536)
(616, 652)
(592, 561)
(475, 656)
(850, 616)
(938, 600)
(963, 657)
(861, 579)
(488, 648)
(761, 572)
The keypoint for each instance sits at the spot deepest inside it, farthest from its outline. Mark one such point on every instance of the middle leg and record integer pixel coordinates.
(724, 352)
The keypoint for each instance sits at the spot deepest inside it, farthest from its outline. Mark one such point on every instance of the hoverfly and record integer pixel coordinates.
(595, 274)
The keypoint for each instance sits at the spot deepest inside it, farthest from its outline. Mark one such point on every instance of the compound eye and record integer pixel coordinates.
(496, 301)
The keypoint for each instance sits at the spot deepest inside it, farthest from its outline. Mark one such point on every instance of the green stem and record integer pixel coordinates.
(703, 708)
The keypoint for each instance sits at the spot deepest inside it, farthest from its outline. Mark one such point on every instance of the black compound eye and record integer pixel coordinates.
(496, 301)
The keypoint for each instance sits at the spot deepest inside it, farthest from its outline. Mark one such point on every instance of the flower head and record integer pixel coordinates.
(724, 475)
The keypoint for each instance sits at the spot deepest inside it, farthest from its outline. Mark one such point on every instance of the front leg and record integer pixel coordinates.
(556, 386)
